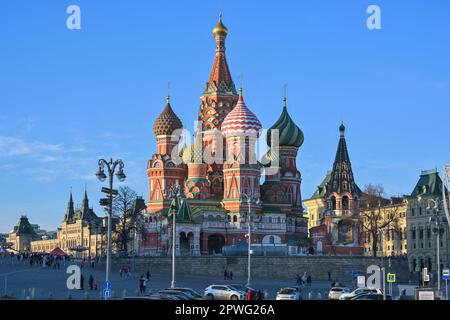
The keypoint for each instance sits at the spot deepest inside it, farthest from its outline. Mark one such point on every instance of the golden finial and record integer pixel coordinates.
(220, 29)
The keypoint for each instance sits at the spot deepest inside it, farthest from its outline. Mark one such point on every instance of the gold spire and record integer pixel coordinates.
(220, 29)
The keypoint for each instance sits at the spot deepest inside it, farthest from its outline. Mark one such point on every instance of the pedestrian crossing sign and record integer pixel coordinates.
(107, 293)
(390, 277)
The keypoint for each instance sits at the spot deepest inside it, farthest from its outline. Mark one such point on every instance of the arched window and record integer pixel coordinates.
(333, 203)
(234, 218)
(345, 203)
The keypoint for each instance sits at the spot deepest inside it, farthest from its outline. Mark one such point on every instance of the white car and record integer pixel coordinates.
(290, 293)
(223, 292)
(358, 291)
(336, 292)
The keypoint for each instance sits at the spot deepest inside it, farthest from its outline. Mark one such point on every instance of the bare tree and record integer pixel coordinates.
(128, 210)
(374, 216)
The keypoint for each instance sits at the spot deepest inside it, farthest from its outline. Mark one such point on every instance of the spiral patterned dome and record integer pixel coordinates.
(240, 121)
(290, 133)
(167, 122)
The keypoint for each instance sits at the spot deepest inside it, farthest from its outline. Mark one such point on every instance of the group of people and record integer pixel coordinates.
(125, 272)
(254, 295)
(227, 275)
(303, 280)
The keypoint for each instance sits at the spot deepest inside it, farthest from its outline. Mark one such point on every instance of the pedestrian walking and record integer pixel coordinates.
(141, 284)
(308, 280)
(329, 275)
(148, 275)
(225, 275)
(248, 295)
(91, 282)
(231, 275)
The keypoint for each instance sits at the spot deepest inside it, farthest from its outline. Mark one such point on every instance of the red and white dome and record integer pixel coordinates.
(240, 121)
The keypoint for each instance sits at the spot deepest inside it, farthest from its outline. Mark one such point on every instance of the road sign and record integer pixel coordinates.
(107, 285)
(104, 202)
(390, 278)
(446, 274)
(108, 191)
(107, 293)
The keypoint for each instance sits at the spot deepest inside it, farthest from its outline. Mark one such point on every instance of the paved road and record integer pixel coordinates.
(51, 281)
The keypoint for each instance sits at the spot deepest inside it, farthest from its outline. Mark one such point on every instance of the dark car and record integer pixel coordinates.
(195, 295)
(182, 295)
(370, 296)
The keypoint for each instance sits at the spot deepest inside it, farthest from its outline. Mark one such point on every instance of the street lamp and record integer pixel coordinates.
(111, 167)
(174, 194)
(249, 234)
(381, 232)
(438, 230)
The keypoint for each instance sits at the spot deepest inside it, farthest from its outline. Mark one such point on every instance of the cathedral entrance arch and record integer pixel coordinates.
(215, 243)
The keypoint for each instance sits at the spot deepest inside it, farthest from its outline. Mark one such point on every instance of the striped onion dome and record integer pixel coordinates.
(290, 133)
(240, 121)
(167, 122)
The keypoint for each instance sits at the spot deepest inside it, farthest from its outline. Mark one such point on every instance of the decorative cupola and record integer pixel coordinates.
(290, 139)
(241, 121)
(241, 170)
(290, 134)
(164, 127)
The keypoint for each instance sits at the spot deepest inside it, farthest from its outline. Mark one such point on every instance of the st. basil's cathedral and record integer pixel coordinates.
(218, 197)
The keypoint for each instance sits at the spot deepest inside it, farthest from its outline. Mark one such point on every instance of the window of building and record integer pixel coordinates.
(412, 212)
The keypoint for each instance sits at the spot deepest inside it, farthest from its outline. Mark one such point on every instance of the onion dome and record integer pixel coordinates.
(289, 133)
(220, 29)
(167, 122)
(240, 121)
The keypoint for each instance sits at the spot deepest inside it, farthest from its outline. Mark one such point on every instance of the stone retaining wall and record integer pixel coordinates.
(267, 267)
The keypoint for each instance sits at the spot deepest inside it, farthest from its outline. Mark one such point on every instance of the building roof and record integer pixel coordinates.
(322, 188)
(184, 214)
(429, 184)
(342, 179)
(85, 213)
(23, 227)
(240, 121)
(290, 134)
(70, 212)
(167, 122)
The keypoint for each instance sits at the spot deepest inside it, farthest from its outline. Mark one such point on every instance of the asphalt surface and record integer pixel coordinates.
(36, 282)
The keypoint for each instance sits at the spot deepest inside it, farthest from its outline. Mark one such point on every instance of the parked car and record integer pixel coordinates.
(184, 295)
(223, 292)
(289, 293)
(336, 292)
(370, 296)
(358, 291)
(195, 295)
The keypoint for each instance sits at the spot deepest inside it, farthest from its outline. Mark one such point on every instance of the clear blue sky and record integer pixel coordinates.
(68, 98)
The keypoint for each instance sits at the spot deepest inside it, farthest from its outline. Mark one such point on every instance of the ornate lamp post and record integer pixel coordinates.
(438, 229)
(174, 194)
(111, 167)
(249, 234)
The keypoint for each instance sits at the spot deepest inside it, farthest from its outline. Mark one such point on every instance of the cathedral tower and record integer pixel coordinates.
(162, 171)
